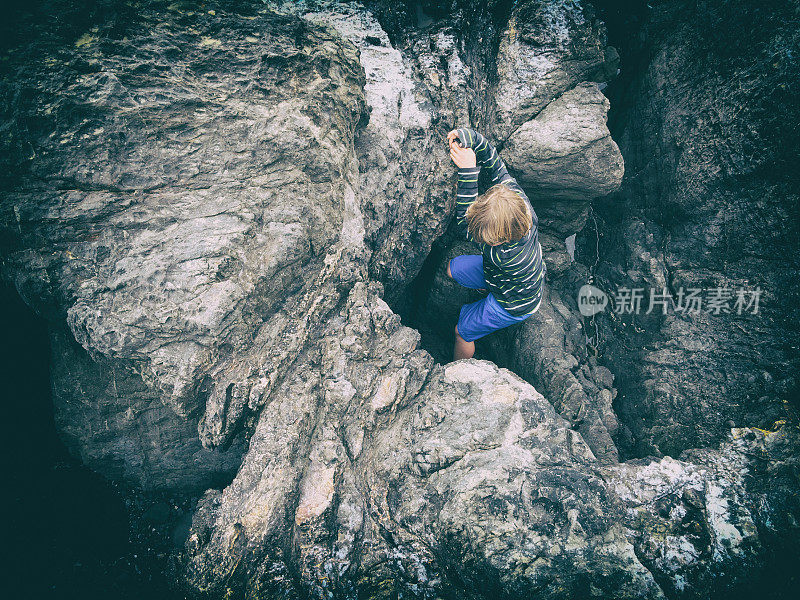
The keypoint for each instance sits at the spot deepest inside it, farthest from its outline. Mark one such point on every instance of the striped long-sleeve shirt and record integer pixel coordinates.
(514, 271)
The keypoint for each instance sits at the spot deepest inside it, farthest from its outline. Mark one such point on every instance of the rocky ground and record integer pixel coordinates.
(234, 220)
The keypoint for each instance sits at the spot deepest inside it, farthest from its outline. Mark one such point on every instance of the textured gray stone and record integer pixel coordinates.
(120, 427)
(709, 201)
(565, 157)
(375, 472)
(183, 209)
(544, 50)
(197, 201)
(405, 172)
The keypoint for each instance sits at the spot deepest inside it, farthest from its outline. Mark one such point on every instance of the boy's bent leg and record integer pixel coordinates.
(450, 275)
(467, 270)
(477, 320)
(462, 348)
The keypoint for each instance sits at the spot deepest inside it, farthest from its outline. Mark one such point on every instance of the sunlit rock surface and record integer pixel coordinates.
(375, 472)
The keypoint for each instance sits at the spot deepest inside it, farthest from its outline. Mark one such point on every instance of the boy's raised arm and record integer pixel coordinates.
(469, 167)
(468, 171)
(487, 156)
(466, 192)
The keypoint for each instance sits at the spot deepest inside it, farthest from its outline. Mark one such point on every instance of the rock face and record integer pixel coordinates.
(217, 212)
(566, 155)
(709, 202)
(545, 48)
(173, 219)
(368, 475)
(534, 96)
(405, 174)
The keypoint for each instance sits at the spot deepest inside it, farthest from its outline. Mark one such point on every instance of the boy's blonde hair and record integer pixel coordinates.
(499, 215)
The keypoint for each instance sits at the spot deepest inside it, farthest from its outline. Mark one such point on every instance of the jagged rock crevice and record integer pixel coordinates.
(550, 123)
(705, 117)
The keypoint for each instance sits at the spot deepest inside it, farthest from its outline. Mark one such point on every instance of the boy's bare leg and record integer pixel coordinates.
(462, 348)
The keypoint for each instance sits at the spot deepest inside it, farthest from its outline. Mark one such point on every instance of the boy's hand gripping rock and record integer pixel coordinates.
(464, 158)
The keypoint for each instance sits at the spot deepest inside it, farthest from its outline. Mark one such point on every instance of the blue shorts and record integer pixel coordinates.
(484, 316)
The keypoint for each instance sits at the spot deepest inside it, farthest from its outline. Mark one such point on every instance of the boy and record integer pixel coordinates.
(505, 227)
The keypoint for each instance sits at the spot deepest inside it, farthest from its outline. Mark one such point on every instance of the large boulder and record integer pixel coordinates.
(182, 212)
(545, 48)
(376, 473)
(565, 158)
